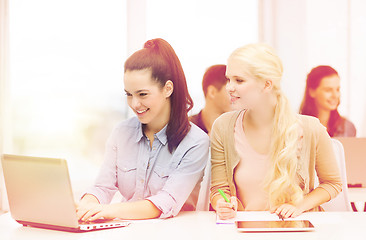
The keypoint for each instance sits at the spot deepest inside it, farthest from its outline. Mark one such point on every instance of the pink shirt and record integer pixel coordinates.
(250, 171)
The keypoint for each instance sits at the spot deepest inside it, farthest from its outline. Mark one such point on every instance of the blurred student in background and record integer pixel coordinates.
(264, 156)
(155, 160)
(321, 100)
(217, 100)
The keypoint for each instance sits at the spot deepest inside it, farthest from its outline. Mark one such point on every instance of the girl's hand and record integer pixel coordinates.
(287, 210)
(226, 210)
(86, 203)
(105, 211)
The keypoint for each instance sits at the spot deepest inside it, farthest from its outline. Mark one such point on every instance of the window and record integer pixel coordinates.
(66, 71)
(202, 33)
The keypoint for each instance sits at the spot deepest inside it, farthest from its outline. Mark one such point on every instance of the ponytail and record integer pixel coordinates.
(282, 181)
(160, 57)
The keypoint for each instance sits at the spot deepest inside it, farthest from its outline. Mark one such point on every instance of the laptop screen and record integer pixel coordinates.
(39, 190)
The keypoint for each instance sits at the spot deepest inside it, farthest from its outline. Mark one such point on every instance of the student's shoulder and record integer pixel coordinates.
(308, 121)
(348, 123)
(228, 116)
(130, 123)
(311, 125)
(125, 130)
(196, 133)
(195, 137)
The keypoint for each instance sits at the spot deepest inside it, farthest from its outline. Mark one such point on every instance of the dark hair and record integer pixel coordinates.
(158, 56)
(214, 75)
(308, 106)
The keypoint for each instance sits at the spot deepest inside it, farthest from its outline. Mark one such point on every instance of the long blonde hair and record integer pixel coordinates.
(281, 181)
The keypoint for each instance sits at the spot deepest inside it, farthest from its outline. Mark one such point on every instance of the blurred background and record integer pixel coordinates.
(61, 78)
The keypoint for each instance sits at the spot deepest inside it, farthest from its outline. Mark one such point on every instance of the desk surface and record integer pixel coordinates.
(199, 225)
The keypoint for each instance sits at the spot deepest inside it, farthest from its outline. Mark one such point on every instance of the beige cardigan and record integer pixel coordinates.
(316, 156)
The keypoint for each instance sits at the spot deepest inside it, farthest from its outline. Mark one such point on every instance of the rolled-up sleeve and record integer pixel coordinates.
(182, 181)
(326, 163)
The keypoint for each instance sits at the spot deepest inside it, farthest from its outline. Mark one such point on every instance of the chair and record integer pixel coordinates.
(203, 202)
(341, 202)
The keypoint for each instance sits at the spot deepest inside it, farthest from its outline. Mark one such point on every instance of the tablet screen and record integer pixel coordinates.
(271, 226)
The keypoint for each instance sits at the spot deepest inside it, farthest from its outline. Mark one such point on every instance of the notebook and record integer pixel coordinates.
(40, 194)
(275, 226)
(355, 154)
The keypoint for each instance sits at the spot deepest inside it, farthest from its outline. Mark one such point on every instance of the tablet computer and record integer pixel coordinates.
(274, 226)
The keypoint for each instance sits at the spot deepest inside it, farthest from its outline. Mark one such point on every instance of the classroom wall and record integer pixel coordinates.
(4, 108)
(328, 32)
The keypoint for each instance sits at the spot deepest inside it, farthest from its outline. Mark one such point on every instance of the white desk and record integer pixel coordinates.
(199, 225)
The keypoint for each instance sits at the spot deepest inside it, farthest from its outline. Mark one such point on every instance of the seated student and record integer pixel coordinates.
(155, 160)
(321, 100)
(264, 156)
(217, 100)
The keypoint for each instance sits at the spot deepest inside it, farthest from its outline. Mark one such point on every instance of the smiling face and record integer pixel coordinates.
(149, 101)
(327, 94)
(244, 90)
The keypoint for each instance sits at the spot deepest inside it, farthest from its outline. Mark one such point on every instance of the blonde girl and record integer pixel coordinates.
(264, 156)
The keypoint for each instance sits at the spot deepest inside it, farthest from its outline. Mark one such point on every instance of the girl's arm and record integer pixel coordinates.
(326, 167)
(219, 179)
(143, 209)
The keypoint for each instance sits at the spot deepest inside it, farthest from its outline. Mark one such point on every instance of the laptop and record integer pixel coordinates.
(355, 154)
(40, 194)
